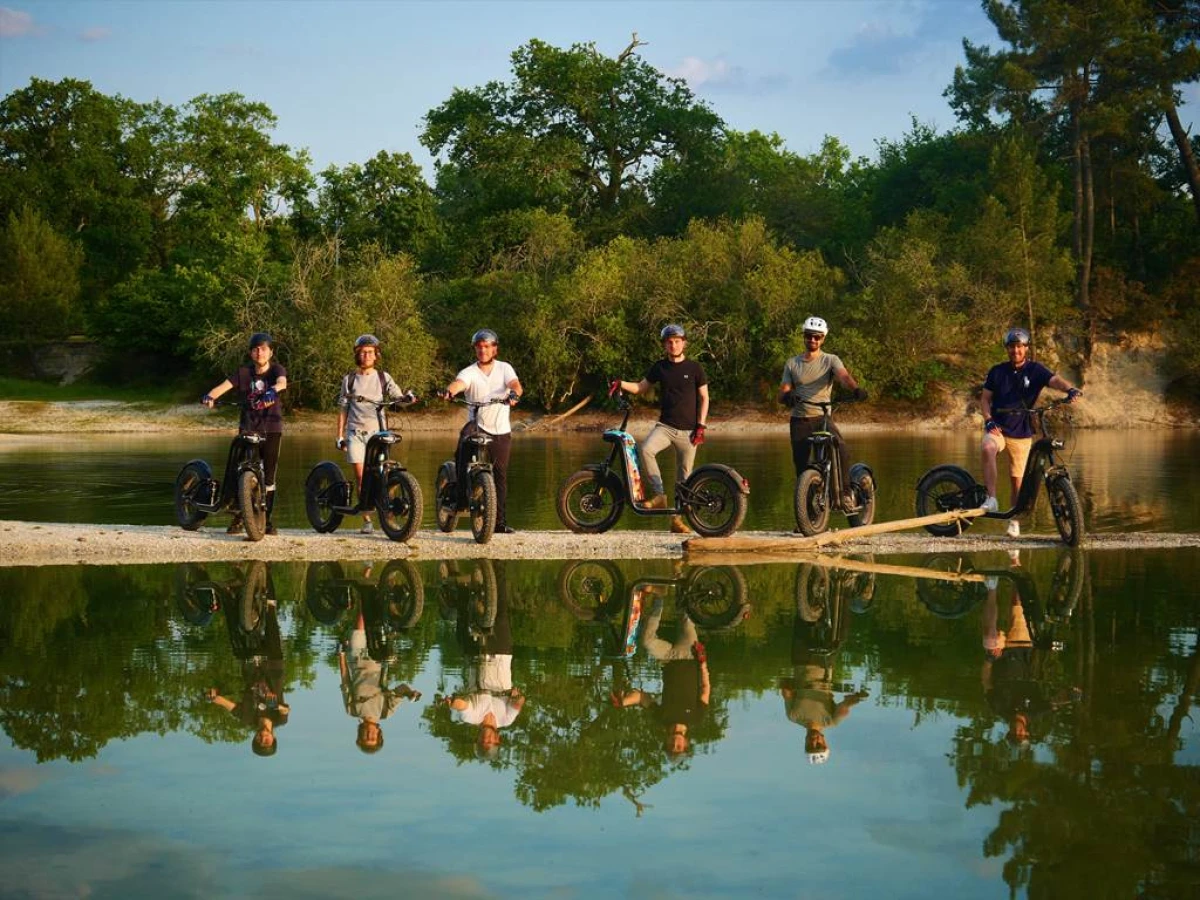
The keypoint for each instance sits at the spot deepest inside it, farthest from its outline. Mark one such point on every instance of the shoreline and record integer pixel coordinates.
(53, 543)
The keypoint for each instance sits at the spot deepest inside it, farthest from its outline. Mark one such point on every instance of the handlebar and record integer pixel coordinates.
(1061, 401)
(392, 403)
(475, 404)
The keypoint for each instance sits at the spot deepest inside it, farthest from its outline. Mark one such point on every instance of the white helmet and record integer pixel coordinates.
(821, 756)
(816, 324)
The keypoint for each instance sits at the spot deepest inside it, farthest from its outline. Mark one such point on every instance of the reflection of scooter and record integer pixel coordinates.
(244, 596)
(825, 598)
(713, 597)
(393, 604)
(468, 593)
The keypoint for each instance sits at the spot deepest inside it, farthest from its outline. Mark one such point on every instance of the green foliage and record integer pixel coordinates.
(318, 310)
(39, 279)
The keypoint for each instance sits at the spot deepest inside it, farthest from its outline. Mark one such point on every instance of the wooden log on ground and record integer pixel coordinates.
(801, 544)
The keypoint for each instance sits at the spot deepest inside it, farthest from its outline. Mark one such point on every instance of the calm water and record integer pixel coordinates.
(1127, 480)
(1062, 765)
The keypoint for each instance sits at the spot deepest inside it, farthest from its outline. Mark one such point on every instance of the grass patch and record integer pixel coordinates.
(28, 389)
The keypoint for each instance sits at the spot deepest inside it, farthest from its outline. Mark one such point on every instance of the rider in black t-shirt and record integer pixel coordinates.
(684, 394)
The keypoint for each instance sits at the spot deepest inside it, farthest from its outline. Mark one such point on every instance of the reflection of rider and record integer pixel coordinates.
(808, 695)
(490, 702)
(1009, 674)
(487, 379)
(357, 421)
(364, 692)
(259, 385)
(261, 706)
(686, 689)
(682, 419)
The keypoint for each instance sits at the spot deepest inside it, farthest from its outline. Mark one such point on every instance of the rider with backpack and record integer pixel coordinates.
(357, 420)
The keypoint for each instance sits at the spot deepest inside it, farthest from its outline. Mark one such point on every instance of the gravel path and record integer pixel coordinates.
(40, 544)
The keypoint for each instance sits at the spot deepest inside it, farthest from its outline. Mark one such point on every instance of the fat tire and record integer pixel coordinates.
(445, 498)
(399, 504)
(720, 505)
(319, 595)
(189, 480)
(943, 490)
(811, 503)
(403, 594)
(252, 502)
(589, 492)
(481, 506)
(318, 504)
(1066, 508)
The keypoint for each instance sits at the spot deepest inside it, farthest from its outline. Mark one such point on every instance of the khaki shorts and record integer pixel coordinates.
(1018, 451)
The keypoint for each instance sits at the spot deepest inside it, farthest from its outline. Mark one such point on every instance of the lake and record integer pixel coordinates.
(990, 730)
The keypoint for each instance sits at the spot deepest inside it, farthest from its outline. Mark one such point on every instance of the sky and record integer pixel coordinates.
(349, 79)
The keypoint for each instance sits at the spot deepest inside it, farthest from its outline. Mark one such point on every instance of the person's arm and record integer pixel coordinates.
(210, 398)
(705, 684)
(457, 386)
(514, 387)
(223, 702)
(1061, 384)
(633, 698)
(635, 387)
(845, 379)
(457, 703)
(702, 413)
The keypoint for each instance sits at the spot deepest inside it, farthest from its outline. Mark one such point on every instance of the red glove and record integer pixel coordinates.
(698, 436)
(614, 386)
(699, 653)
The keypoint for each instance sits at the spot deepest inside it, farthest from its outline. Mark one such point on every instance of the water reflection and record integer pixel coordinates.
(1036, 695)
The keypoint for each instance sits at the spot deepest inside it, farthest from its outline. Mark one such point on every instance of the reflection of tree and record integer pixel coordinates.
(94, 654)
(1097, 806)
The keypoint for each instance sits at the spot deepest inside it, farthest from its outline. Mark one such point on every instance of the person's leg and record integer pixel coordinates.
(356, 452)
(462, 458)
(656, 441)
(1018, 454)
(657, 647)
(800, 430)
(270, 468)
(991, 447)
(848, 499)
(501, 448)
(685, 456)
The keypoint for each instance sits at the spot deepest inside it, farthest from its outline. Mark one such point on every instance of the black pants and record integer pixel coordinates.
(801, 430)
(501, 450)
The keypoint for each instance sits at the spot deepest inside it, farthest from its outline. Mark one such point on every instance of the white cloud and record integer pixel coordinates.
(96, 33)
(15, 22)
(719, 75)
(696, 71)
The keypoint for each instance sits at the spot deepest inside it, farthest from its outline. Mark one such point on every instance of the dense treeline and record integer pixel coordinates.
(589, 199)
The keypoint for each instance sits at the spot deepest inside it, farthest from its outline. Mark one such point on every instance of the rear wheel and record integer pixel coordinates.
(326, 592)
(196, 595)
(252, 499)
(590, 503)
(946, 490)
(190, 482)
(399, 504)
(593, 589)
(715, 597)
(944, 593)
(324, 489)
(403, 593)
(1067, 510)
(446, 498)
(481, 506)
(863, 485)
(255, 595)
(716, 506)
(811, 503)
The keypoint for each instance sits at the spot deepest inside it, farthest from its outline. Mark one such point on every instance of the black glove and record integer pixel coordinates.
(988, 425)
(444, 395)
(860, 394)
(1073, 394)
(513, 398)
(340, 443)
(789, 399)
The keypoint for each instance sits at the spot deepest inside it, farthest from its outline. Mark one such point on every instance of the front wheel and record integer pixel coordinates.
(446, 498)
(811, 503)
(403, 593)
(481, 505)
(590, 503)
(592, 589)
(188, 486)
(862, 483)
(716, 506)
(399, 505)
(324, 489)
(946, 490)
(252, 499)
(1068, 512)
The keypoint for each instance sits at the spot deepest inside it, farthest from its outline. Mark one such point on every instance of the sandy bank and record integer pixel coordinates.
(39, 544)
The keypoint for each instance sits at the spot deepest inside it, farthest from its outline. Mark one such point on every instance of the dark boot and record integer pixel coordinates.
(271, 529)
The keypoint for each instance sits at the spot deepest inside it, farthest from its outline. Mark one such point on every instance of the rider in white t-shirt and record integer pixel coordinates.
(488, 379)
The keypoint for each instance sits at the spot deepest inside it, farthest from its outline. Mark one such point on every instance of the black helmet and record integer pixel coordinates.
(485, 334)
(366, 340)
(671, 331)
(1016, 336)
(259, 338)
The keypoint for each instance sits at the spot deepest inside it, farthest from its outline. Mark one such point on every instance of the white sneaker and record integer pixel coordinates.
(367, 527)
(990, 505)
(1014, 528)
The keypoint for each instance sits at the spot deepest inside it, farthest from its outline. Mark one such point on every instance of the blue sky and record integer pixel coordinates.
(349, 79)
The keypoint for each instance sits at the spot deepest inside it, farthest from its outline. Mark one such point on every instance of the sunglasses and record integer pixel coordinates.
(809, 336)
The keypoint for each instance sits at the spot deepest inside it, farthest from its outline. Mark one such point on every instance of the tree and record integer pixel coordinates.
(573, 131)
(39, 279)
